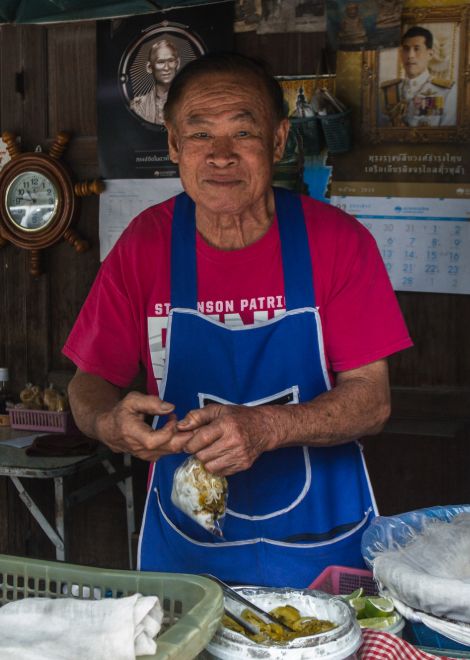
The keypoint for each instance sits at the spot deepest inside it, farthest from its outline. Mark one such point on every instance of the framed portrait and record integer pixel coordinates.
(149, 64)
(420, 91)
(137, 59)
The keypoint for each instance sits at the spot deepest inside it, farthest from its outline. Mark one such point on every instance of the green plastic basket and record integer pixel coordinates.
(193, 606)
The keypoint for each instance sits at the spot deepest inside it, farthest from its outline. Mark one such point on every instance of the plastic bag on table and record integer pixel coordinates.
(200, 494)
(422, 558)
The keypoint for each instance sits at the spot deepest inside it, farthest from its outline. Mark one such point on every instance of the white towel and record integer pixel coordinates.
(73, 629)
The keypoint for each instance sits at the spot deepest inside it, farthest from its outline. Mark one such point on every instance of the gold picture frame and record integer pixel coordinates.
(451, 57)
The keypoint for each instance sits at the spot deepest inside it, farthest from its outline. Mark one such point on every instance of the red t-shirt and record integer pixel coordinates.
(123, 321)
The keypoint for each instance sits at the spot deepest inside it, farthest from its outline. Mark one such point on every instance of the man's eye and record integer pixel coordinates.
(201, 135)
(243, 134)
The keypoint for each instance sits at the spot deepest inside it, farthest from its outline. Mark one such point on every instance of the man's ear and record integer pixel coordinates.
(280, 139)
(148, 67)
(173, 143)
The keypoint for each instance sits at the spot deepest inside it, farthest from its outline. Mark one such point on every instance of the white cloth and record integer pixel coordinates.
(431, 573)
(458, 632)
(73, 629)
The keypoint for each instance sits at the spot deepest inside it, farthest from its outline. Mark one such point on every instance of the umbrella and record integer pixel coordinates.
(53, 11)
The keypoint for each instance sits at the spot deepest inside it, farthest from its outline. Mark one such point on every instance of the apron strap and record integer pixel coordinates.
(296, 262)
(183, 254)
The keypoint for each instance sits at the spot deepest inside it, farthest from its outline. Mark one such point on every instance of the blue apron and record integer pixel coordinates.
(297, 509)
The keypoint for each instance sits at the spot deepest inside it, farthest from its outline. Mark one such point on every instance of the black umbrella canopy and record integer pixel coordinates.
(54, 11)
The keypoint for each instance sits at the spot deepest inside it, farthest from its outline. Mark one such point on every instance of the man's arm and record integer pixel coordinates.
(101, 412)
(228, 439)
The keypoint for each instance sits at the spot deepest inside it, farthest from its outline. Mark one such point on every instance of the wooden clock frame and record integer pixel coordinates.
(59, 226)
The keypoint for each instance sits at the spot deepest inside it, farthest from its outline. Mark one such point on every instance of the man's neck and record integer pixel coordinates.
(233, 231)
(419, 79)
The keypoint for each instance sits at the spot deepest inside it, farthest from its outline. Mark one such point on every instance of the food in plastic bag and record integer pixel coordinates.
(422, 559)
(200, 494)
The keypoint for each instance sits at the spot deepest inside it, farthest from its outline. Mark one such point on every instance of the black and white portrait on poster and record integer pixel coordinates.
(138, 58)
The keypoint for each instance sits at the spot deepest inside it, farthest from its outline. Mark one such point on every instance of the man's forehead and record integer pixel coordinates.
(224, 83)
(415, 41)
(219, 94)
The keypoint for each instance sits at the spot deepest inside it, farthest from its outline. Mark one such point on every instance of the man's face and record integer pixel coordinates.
(164, 65)
(225, 140)
(415, 56)
(352, 11)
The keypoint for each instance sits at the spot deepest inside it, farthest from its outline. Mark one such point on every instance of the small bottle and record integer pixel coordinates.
(5, 395)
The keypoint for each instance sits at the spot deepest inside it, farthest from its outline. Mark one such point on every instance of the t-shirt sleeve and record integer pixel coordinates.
(104, 339)
(361, 316)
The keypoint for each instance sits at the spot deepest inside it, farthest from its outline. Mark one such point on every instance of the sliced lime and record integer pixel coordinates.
(377, 606)
(359, 605)
(379, 622)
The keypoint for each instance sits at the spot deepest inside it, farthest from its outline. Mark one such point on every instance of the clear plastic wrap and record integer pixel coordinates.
(422, 560)
(394, 532)
(201, 495)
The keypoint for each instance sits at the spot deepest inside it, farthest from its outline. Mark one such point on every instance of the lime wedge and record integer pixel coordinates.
(379, 622)
(359, 605)
(355, 594)
(377, 606)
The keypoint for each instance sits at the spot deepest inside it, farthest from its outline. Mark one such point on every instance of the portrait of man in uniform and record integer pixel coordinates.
(162, 63)
(426, 95)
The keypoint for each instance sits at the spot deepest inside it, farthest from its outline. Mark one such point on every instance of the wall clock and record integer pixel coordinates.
(38, 201)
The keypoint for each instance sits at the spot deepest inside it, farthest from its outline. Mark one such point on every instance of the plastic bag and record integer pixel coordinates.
(422, 559)
(200, 494)
(392, 532)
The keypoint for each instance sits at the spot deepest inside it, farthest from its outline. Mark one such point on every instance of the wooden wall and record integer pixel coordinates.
(421, 460)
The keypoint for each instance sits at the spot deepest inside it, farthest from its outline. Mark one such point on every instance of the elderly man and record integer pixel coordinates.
(163, 63)
(250, 297)
(420, 99)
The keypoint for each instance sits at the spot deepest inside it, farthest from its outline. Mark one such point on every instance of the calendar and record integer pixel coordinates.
(123, 199)
(425, 243)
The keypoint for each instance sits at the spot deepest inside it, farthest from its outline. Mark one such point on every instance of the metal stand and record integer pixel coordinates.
(16, 465)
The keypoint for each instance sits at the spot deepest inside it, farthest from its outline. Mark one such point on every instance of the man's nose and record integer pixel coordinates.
(222, 152)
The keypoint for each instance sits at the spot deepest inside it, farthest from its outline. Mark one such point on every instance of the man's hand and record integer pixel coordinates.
(226, 438)
(123, 428)
(100, 413)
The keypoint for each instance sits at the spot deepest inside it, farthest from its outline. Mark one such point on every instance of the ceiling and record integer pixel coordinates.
(54, 11)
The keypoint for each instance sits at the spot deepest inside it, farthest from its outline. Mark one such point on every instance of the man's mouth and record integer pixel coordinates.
(223, 183)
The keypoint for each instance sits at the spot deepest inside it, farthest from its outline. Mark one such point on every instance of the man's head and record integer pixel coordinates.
(163, 61)
(352, 10)
(230, 64)
(226, 127)
(416, 50)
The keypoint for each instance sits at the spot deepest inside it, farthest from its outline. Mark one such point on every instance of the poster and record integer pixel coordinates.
(279, 16)
(138, 58)
(422, 136)
(363, 24)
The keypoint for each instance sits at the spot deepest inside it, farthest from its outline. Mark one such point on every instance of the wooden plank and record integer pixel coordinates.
(419, 472)
(71, 74)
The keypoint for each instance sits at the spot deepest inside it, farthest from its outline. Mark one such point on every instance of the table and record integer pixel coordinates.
(17, 465)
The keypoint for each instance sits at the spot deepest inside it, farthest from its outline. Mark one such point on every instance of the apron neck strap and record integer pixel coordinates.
(298, 279)
(183, 253)
(296, 261)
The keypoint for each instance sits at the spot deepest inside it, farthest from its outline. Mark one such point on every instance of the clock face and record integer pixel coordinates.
(31, 200)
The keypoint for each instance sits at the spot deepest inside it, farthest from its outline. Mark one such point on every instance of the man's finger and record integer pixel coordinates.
(195, 418)
(147, 404)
